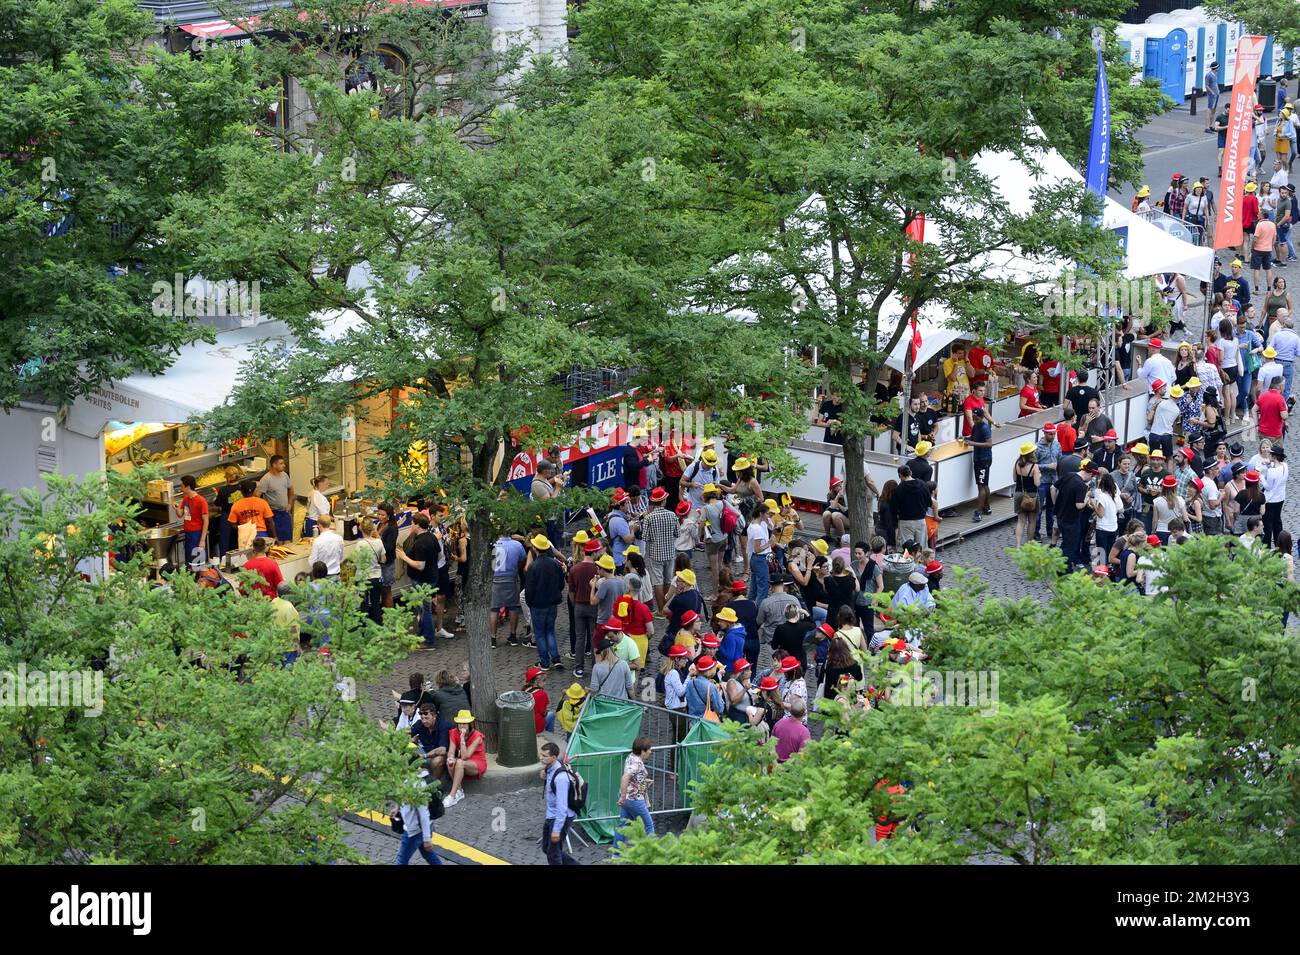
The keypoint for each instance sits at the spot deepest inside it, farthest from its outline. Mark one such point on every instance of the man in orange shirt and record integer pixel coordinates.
(252, 508)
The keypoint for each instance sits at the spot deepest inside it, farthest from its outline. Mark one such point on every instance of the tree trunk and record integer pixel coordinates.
(476, 598)
(859, 498)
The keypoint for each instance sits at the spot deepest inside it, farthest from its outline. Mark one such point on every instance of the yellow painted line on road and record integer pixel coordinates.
(445, 842)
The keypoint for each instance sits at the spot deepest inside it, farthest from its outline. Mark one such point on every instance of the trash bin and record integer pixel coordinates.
(897, 569)
(517, 744)
(1266, 90)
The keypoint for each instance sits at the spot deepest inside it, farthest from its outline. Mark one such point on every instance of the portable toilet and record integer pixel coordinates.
(1132, 40)
(1266, 65)
(1166, 61)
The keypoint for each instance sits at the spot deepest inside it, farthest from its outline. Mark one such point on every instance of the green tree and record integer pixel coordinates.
(1120, 729)
(504, 248)
(1277, 18)
(100, 133)
(830, 128)
(197, 746)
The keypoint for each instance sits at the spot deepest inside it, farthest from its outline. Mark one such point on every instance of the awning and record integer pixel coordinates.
(243, 26)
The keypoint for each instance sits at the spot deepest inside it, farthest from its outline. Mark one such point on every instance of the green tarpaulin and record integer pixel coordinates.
(607, 724)
(691, 759)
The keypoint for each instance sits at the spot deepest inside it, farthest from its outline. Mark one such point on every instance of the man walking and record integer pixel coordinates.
(559, 817)
(1211, 95)
(543, 589)
(417, 828)
(659, 531)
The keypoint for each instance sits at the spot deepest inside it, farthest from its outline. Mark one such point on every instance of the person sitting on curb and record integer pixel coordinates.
(465, 755)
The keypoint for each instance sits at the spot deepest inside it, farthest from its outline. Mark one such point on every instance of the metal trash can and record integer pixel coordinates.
(897, 569)
(1266, 90)
(517, 743)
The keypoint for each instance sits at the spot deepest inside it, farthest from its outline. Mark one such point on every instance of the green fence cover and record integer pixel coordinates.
(606, 724)
(691, 759)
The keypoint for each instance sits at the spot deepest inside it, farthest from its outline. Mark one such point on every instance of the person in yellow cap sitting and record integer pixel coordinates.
(464, 758)
(567, 715)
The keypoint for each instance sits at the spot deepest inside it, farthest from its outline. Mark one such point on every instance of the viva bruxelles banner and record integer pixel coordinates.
(1227, 231)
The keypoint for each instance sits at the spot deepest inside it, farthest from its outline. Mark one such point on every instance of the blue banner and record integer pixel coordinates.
(1098, 174)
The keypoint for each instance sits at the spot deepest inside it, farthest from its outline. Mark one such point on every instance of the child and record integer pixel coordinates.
(543, 721)
(567, 715)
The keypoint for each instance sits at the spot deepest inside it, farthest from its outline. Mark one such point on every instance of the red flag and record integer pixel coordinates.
(1228, 231)
(915, 232)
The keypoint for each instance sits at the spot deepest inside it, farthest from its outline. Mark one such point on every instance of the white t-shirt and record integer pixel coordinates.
(1108, 519)
(1231, 349)
(1150, 577)
(1166, 414)
(1267, 372)
(317, 504)
(758, 534)
(1211, 500)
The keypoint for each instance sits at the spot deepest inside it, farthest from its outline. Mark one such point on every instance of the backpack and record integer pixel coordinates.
(577, 788)
(729, 519)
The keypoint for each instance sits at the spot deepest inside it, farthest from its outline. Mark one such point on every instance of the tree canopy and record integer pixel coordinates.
(1120, 728)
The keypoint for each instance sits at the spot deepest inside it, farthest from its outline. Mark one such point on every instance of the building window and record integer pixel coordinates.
(382, 71)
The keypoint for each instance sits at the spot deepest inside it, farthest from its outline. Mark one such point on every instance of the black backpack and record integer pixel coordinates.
(577, 788)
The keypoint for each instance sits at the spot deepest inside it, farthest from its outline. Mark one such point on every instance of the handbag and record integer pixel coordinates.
(395, 820)
(1028, 503)
(709, 716)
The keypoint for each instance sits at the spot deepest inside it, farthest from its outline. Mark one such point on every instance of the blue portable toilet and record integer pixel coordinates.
(1166, 61)
(1202, 59)
(1266, 63)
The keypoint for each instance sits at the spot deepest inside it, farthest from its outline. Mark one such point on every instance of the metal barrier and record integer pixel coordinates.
(603, 769)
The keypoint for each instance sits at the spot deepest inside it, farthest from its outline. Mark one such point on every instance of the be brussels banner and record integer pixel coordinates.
(1098, 172)
(1241, 113)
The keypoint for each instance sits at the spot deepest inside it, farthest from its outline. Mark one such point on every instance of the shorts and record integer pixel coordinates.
(1231, 374)
(661, 571)
(1261, 259)
(982, 474)
(444, 582)
(505, 593)
(715, 547)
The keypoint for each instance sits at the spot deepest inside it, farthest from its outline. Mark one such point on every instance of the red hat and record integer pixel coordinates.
(619, 495)
(705, 663)
(1049, 428)
(827, 629)
(1157, 343)
(1110, 435)
(1259, 107)
(1157, 384)
(1252, 477)
(689, 617)
(895, 643)
(933, 567)
(677, 650)
(711, 641)
(886, 618)
(658, 494)
(768, 683)
(1187, 453)
(738, 665)
(683, 508)
(591, 547)
(1169, 481)
(532, 673)
(1153, 540)
(836, 481)
(1198, 483)
(613, 623)
(1101, 570)
(789, 665)
(739, 587)
(325, 652)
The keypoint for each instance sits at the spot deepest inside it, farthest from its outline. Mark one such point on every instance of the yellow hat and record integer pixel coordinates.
(631, 549)
(727, 614)
(772, 506)
(687, 575)
(1236, 263)
(1193, 382)
(1141, 449)
(575, 691)
(1175, 392)
(742, 462)
(923, 448)
(709, 457)
(581, 537)
(1270, 352)
(1027, 447)
(1144, 192)
(710, 442)
(1251, 187)
(712, 489)
(820, 546)
(540, 542)
(464, 716)
(605, 562)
